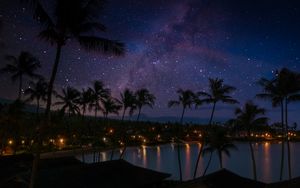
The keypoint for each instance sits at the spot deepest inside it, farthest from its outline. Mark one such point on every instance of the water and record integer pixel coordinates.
(163, 158)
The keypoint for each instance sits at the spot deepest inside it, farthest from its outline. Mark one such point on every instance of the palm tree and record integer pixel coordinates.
(110, 105)
(248, 117)
(282, 89)
(143, 98)
(86, 99)
(272, 91)
(69, 101)
(23, 65)
(186, 99)
(78, 22)
(37, 91)
(218, 92)
(99, 94)
(70, 20)
(219, 143)
(127, 101)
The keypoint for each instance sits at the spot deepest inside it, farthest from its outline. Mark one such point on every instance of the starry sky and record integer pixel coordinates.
(171, 44)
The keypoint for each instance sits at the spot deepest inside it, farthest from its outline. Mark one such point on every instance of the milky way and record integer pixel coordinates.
(171, 44)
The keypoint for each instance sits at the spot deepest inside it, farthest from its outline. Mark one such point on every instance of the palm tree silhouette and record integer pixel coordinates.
(37, 91)
(282, 89)
(110, 106)
(23, 65)
(143, 98)
(127, 101)
(99, 93)
(186, 98)
(248, 117)
(86, 100)
(272, 91)
(69, 100)
(72, 20)
(218, 92)
(218, 142)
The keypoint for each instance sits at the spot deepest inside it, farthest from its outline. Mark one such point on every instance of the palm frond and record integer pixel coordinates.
(102, 45)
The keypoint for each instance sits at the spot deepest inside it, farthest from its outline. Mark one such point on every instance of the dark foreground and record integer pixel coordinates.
(69, 172)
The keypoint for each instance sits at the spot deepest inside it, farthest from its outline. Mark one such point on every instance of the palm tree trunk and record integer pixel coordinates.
(209, 161)
(95, 113)
(35, 166)
(138, 117)
(123, 152)
(36, 160)
(20, 87)
(282, 144)
(212, 114)
(220, 159)
(123, 114)
(253, 160)
(182, 114)
(83, 114)
(179, 161)
(52, 79)
(198, 159)
(37, 107)
(287, 139)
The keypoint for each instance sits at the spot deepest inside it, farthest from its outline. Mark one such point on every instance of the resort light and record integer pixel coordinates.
(111, 131)
(144, 140)
(200, 135)
(104, 139)
(23, 141)
(61, 140)
(10, 142)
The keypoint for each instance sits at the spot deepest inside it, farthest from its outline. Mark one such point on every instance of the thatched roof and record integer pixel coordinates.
(110, 174)
(293, 183)
(222, 178)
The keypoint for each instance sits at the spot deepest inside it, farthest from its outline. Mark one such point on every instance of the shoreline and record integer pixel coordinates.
(89, 150)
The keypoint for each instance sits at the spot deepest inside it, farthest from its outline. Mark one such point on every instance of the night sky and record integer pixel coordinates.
(171, 44)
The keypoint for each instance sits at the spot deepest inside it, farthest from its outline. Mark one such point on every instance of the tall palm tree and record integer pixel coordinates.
(127, 101)
(218, 92)
(289, 84)
(282, 89)
(143, 98)
(69, 100)
(272, 92)
(248, 117)
(99, 93)
(110, 105)
(186, 98)
(77, 23)
(37, 91)
(67, 20)
(23, 65)
(218, 142)
(86, 99)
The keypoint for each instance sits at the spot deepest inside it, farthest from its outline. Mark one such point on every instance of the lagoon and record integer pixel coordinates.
(163, 158)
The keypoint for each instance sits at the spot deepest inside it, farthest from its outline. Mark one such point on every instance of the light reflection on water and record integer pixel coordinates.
(164, 158)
